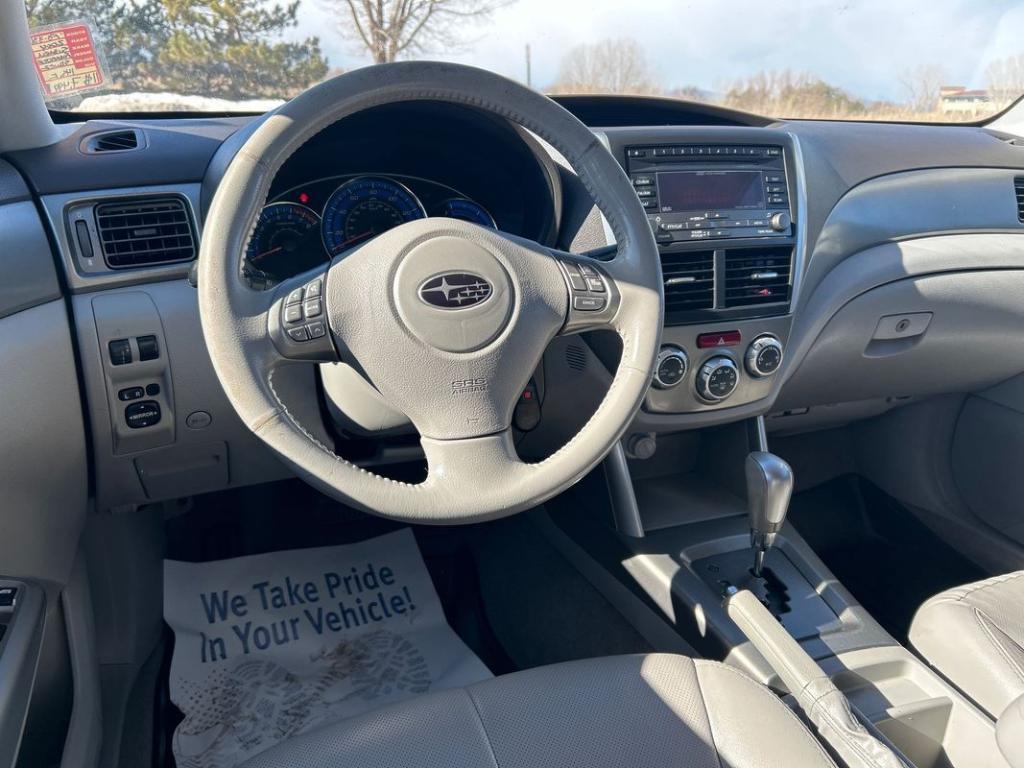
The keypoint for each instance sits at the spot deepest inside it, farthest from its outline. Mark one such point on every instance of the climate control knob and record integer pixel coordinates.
(671, 367)
(717, 379)
(764, 356)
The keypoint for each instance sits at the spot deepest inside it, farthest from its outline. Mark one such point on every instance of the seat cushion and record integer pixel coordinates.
(639, 711)
(974, 636)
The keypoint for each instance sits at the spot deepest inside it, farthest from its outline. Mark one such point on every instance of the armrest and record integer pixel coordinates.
(21, 640)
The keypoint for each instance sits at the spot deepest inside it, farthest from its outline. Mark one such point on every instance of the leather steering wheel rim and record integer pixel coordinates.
(473, 471)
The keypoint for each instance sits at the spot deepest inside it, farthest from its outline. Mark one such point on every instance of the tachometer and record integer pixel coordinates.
(285, 242)
(365, 207)
(467, 210)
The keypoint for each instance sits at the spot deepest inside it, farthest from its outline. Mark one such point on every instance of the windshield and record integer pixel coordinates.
(915, 60)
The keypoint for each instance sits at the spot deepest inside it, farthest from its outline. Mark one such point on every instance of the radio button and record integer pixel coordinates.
(672, 227)
(642, 181)
(774, 178)
(645, 192)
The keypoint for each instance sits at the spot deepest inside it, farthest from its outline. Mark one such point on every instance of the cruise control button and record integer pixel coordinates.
(595, 284)
(317, 329)
(575, 278)
(589, 303)
(298, 334)
(293, 313)
(312, 308)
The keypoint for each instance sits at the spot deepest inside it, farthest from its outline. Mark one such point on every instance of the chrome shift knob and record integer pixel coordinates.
(769, 488)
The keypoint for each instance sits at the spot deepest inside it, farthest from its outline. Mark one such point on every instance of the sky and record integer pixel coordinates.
(863, 46)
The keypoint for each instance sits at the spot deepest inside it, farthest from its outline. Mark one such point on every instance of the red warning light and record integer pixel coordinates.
(303, 197)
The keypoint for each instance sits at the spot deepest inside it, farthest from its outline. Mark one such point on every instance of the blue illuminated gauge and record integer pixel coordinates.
(363, 208)
(284, 242)
(467, 210)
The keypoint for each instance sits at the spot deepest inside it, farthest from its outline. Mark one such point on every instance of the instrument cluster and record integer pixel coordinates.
(314, 222)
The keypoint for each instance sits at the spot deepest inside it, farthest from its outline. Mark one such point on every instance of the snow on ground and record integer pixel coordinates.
(171, 102)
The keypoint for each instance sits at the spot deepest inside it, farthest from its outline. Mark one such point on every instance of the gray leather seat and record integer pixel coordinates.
(622, 712)
(974, 636)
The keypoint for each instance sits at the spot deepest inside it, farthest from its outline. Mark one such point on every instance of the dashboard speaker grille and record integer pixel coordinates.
(689, 280)
(1018, 188)
(756, 276)
(143, 232)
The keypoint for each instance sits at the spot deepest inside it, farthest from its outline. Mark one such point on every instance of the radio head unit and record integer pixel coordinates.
(709, 192)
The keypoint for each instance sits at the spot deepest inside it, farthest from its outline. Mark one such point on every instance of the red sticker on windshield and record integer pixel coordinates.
(66, 59)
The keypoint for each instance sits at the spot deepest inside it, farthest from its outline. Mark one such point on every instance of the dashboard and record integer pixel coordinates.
(810, 268)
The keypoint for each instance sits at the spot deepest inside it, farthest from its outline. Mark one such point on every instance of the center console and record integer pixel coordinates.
(726, 209)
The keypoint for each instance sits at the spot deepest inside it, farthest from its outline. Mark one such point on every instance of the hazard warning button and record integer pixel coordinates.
(718, 339)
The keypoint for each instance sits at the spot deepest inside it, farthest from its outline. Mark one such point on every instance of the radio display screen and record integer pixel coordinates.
(710, 190)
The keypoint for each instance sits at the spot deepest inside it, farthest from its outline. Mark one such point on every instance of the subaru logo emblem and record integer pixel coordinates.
(455, 290)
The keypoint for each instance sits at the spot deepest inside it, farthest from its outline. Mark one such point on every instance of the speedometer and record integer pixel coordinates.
(284, 242)
(364, 208)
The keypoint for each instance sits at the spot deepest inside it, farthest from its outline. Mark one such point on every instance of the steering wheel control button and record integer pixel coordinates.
(576, 280)
(718, 339)
(316, 330)
(671, 367)
(130, 393)
(149, 349)
(298, 334)
(292, 314)
(589, 303)
(144, 414)
(312, 308)
(198, 420)
(764, 356)
(295, 297)
(120, 352)
(314, 289)
(717, 379)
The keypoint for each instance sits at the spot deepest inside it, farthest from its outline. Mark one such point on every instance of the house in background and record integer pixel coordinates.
(957, 98)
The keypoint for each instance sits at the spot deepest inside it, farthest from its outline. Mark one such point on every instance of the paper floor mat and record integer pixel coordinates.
(270, 646)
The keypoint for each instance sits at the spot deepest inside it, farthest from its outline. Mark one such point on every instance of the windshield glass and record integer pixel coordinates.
(915, 60)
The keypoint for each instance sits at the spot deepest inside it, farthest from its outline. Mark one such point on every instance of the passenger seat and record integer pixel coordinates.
(974, 636)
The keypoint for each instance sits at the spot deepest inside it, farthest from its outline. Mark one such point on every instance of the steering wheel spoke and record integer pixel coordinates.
(297, 318)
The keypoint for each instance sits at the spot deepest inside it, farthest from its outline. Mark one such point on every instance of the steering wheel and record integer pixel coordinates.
(447, 319)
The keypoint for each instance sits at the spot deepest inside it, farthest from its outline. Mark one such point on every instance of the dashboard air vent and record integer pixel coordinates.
(756, 276)
(112, 141)
(1018, 187)
(689, 280)
(145, 231)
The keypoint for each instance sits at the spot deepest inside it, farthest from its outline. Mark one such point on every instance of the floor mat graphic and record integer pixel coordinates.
(270, 646)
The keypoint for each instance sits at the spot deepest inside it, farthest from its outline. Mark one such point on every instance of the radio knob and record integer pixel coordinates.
(717, 379)
(671, 367)
(763, 357)
(780, 221)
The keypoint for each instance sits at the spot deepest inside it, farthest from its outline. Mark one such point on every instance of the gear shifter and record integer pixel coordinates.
(769, 487)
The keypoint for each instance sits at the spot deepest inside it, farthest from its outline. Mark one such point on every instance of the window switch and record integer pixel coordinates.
(120, 352)
(149, 349)
(7, 595)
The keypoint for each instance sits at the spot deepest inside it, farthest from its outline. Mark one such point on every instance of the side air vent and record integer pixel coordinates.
(145, 231)
(689, 280)
(1018, 187)
(756, 276)
(112, 141)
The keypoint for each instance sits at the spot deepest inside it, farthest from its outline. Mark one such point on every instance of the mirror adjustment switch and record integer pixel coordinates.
(144, 414)
(149, 348)
(120, 352)
(130, 393)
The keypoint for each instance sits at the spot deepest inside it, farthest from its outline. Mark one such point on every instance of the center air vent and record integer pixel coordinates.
(689, 280)
(756, 276)
(146, 231)
(112, 141)
(1018, 186)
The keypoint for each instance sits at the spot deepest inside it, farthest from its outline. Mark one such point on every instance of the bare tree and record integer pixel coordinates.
(616, 65)
(1005, 80)
(921, 85)
(394, 29)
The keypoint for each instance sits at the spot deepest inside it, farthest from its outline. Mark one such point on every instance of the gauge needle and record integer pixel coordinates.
(263, 255)
(351, 240)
